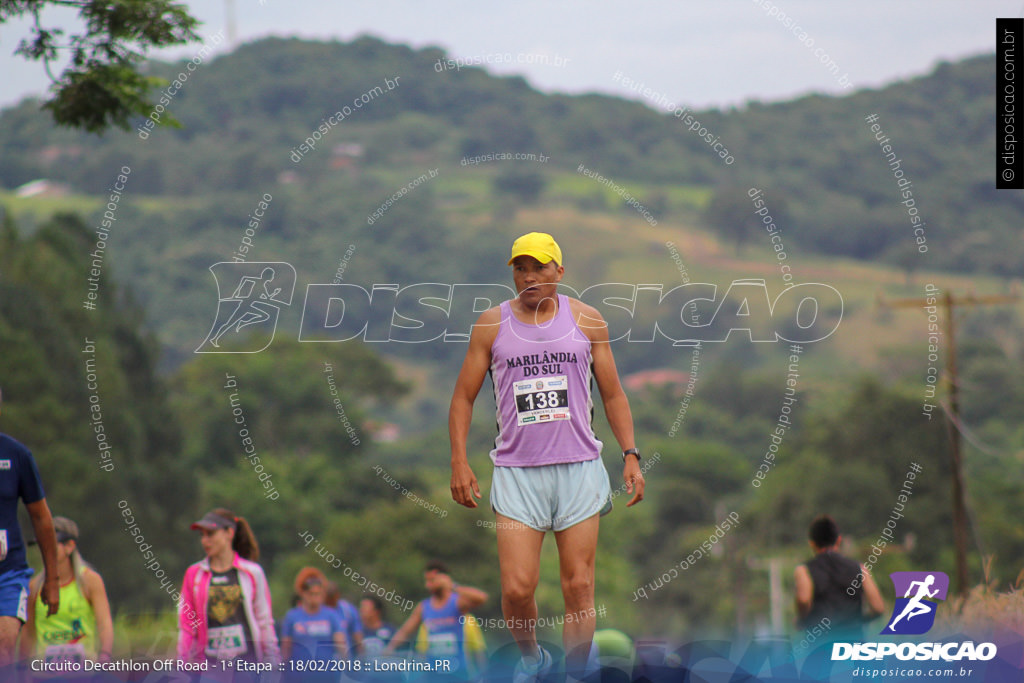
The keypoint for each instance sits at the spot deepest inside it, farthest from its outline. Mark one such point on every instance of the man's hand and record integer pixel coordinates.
(634, 479)
(464, 485)
(42, 524)
(50, 594)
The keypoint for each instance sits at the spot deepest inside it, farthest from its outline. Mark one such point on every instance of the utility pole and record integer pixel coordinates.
(949, 303)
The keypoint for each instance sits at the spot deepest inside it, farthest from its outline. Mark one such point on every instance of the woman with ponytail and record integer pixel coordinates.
(224, 612)
(82, 628)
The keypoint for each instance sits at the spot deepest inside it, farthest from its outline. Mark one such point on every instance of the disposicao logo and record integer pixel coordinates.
(914, 613)
(258, 291)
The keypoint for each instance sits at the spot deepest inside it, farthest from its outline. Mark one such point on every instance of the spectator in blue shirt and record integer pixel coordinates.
(311, 631)
(349, 617)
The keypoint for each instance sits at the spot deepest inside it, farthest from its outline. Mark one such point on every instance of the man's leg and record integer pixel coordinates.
(577, 547)
(519, 559)
(9, 628)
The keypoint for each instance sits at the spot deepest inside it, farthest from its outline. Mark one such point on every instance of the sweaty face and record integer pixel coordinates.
(535, 281)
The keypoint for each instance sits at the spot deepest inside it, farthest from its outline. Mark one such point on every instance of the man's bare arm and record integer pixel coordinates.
(42, 524)
(464, 485)
(804, 590)
(616, 404)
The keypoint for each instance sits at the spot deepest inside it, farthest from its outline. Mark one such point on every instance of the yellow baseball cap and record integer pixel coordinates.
(539, 245)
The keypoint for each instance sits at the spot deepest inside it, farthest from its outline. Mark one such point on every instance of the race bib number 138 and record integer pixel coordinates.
(542, 399)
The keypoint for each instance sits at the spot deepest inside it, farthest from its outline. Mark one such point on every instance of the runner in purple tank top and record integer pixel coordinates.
(543, 350)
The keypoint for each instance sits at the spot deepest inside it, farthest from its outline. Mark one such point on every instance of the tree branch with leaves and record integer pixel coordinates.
(101, 86)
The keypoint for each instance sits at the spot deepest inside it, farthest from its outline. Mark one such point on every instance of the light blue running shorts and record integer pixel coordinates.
(552, 497)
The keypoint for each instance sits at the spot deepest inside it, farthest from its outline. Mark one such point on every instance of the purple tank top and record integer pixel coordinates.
(542, 377)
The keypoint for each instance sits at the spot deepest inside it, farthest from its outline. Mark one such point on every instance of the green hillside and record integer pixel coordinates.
(247, 113)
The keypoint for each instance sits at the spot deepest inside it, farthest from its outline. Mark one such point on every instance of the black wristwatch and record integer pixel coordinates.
(630, 451)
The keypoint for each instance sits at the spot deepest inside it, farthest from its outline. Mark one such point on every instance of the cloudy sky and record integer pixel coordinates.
(697, 53)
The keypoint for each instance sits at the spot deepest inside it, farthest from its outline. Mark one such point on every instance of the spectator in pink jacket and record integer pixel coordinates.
(224, 612)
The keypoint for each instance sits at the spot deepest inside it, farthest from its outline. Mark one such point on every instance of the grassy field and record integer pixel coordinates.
(37, 209)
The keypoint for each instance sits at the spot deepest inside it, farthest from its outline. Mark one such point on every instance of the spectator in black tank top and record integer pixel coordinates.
(823, 600)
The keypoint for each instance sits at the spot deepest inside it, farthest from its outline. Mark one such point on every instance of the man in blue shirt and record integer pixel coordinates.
(443, 613)
(19, 479)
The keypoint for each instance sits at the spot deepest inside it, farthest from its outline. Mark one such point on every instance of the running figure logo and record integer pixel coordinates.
(914, 613)
(247, 318)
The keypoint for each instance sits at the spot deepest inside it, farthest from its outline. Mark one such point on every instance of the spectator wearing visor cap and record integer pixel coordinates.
(225, 612)
(82, 628)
